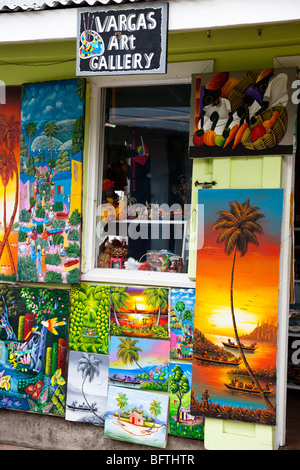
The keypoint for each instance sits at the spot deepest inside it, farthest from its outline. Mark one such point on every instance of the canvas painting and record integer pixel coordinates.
(182, 308)
(236, 305)
(137, 416)
(182, 422)
(52, 122)
(10, 116)
(139, 312)
(33, 348)
(244, 113)
(87, 387)
(89, 318)
(139, 363)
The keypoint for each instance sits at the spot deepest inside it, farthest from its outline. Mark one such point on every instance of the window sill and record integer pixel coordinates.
(149, 278)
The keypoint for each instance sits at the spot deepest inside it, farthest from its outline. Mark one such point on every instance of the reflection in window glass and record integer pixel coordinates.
(146, 179)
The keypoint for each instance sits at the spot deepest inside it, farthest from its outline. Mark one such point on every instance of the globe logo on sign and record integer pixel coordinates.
(92, 44)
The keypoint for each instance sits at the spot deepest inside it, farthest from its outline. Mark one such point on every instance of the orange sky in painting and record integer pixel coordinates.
(255, 287)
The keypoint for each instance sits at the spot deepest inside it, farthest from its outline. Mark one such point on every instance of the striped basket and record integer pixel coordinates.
(273, 136)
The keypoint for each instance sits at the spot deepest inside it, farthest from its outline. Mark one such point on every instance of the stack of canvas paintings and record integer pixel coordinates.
(138, 378)
(235, 337)
(33, 348)
(139, 311)
(51, 181)
(10, 116)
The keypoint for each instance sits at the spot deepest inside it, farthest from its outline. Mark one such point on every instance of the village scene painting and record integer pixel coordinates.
(137, 416)
(139, 363)
(235, 332)
(139, 312)
(10, 129)
(87, 387)
(89, 318)
(245, 113)
(182, 309)
(33, 349)
(182, 423)
(49, 239)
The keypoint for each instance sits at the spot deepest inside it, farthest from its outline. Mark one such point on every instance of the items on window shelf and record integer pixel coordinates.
(108, 251)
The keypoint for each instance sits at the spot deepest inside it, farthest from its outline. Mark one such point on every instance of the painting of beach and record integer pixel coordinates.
(139, 363)
(137, 416)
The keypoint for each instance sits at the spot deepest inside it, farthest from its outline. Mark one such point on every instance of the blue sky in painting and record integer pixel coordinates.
(51, 101)
(269, 201)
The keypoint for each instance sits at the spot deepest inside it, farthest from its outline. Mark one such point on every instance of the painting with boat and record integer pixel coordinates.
(139, 312)
(235, 335)
(33, 348)
(141, 363)
(137, 416)
(87, 387)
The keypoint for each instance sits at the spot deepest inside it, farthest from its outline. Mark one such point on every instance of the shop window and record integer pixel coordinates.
(145, 179)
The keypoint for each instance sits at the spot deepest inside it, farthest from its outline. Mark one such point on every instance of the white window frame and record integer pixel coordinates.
(179, 73)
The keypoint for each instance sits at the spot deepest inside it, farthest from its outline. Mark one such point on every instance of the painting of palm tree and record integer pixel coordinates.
(158, 298)
(238, 227)
(50, 131)
(122, 402)
(155, 409)
(236, 305)
(9, 172)
(89, 365)
(118, 297)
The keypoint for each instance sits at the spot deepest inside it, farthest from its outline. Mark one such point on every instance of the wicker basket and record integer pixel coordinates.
(237, 95)
(273, 136)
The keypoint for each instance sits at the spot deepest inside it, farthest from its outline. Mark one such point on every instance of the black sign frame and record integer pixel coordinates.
(122, 40)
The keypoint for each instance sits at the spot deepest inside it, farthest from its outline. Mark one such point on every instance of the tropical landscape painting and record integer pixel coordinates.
(137, 416)
(248, 113)
(182, 422)
(52, 120)
(182, 309)
(140, 363)
(10, 129)
(33, 348)
(87, 387)
(236, 306)
(139, 312)
(89, 318)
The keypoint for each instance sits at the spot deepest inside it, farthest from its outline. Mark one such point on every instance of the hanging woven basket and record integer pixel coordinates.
(274, 135)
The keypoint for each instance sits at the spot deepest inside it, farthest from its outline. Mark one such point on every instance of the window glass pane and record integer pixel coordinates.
(146, 177)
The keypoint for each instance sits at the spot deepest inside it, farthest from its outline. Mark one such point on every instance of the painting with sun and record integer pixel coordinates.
(139, 312)
(236, 305)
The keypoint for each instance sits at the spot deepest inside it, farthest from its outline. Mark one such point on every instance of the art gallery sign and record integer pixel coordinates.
(122, 40)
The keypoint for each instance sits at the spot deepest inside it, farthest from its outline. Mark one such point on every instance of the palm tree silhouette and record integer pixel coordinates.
(158, 298)
(10, 137)
(129, 353)
(89, 364)
(237, 229)
(118, 299)
(30, 130)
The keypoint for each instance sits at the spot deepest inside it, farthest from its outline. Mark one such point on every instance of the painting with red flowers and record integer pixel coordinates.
(243, 113)
(33, 348)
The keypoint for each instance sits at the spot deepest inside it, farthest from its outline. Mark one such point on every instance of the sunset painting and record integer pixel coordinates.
(236, 305)
(139, 311)
(10, 115)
